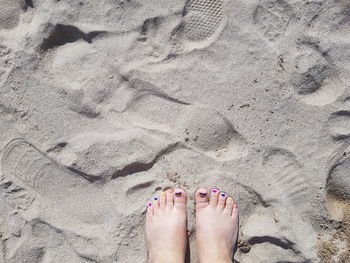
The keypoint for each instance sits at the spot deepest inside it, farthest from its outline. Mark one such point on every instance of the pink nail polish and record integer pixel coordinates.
(149, 204)
(215, 191)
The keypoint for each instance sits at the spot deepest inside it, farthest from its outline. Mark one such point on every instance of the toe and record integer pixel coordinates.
(235, 211)
(170, 198)
(155, 205)
(229, 206)
(214, 195)
(149, 209)
(201, 198)
(222, 201)
(180, 199)
(162, 200)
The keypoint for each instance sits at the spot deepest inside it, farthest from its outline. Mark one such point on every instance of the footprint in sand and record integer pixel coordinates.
(202, 23)
(279, 179)
(163, 37)
(30, 176)
(110, 155)
(277, 241)
(87, 88)
(315, 78)
(272, 18)
(211, 132)
(199, 126)
(339, 125)
(333, 19)
(39, 242)
(284, 176)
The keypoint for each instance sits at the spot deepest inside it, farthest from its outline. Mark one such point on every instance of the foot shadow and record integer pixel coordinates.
(30, 174)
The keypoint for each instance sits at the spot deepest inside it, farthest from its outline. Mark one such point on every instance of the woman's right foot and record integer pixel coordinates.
(216, 226)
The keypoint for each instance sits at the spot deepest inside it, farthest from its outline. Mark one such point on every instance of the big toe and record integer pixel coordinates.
(201, 198)
(180, 198)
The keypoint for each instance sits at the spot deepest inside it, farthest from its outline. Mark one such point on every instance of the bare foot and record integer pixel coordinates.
(216, 226)
(166, 227)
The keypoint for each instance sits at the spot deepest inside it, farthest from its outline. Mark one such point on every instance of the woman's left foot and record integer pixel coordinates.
(166, 227)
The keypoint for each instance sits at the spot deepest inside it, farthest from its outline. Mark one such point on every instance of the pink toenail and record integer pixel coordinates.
(215, 191)
(235, 206)
(149, 204)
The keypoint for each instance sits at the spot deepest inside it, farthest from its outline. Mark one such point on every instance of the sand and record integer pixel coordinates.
(105, 103)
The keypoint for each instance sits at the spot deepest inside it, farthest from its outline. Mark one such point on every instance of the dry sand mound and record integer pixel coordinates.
(103, 104)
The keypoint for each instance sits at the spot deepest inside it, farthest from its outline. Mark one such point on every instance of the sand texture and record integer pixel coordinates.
(105, 103)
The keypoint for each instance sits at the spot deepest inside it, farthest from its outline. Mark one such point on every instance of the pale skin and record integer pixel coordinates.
(217, 226)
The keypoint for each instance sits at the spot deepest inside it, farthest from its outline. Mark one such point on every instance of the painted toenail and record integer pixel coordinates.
(202, 194)
(170, 191)
(155, 198)
(178, 194)
(230, 199)
(235, 205)
(162, 194)
(214, 191)
(149, 204)
(223, 194)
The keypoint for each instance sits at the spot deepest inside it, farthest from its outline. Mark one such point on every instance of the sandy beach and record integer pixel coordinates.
(106, 103)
